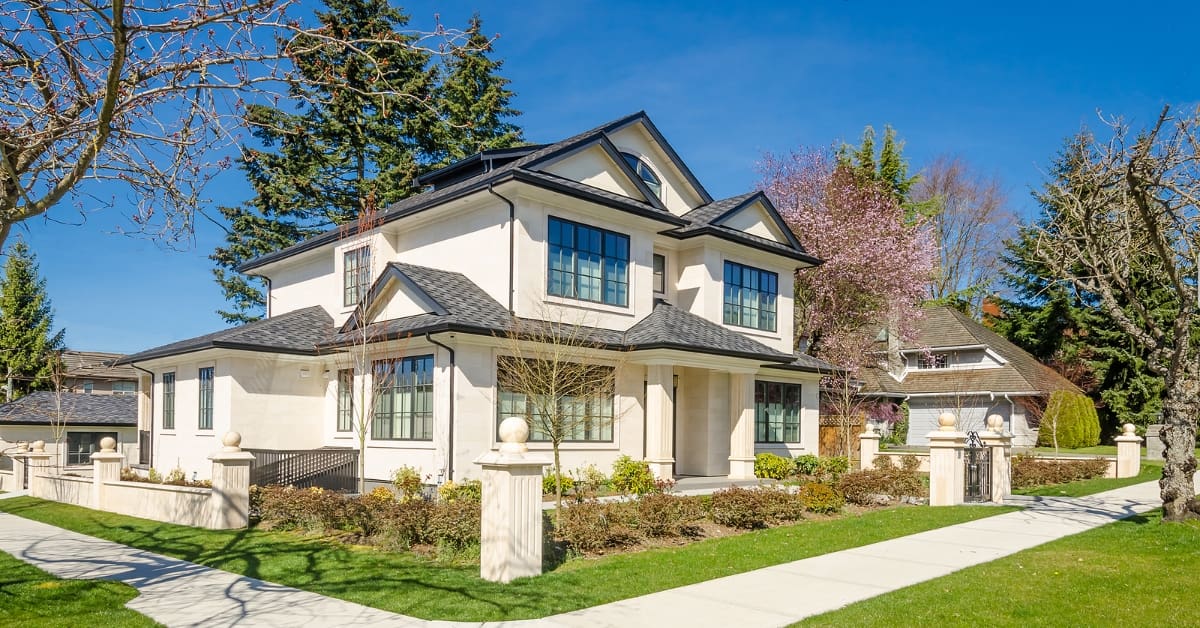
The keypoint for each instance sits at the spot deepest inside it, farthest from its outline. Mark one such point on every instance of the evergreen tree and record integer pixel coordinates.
(28, 345)
(348, 152)
(889, 170)
(475, 100)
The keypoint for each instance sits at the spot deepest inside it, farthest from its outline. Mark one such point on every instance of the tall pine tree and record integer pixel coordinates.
(28, 345)
(359, 143)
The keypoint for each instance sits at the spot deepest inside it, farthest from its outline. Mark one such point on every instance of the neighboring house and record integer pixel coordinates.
(955, 364)
(72, 425)
(93, 373)
(609, 229)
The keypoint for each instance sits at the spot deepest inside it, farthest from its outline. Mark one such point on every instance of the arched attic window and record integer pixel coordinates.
(644, 171)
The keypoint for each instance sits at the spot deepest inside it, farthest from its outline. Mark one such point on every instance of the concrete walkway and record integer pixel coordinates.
(178, 593)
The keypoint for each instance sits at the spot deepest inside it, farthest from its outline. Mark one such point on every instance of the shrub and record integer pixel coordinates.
(153, 476)
(780, 505)
(1073, 418)
(407, 481)
(176, 477)
(660, 515)
(738, 508)
(632, 476)
(454, 523)
(833, 467)
(1029, 471)
(819, 498)
(589, 481)
(770, 466)
(380, 493)
(808, 464)
(568, 484)
(403, 524)
(884, 482)
(590, 527)
(310, 509)
(465, 490)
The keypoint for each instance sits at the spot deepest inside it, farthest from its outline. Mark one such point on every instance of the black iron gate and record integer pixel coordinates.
(978, 469)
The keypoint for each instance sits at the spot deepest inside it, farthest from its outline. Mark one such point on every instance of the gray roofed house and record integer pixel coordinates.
(96, 372)
(46, 407)
(407, 318)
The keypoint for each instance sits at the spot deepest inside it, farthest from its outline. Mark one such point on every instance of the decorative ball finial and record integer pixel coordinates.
(995, 423)
(514, 433)
(1130, 429)
(232, 441)
(947, 421)
(870, 430)
(108, 445)
(37, 446)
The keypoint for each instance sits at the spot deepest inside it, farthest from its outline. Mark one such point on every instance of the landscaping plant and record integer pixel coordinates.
(632, 477)
(772, 467)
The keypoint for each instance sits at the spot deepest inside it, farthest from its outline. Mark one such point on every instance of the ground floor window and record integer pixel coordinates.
(777, 412)
(403, 399)
(579, 419)
(81, 445)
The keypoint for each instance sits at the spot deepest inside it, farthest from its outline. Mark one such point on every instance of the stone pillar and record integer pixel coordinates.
(946, 464)
(19, 464)
(38, 461)
(999, 442)
(106, 467)
(229, 503)
(868, 447)
(1129, 452)
(511, 536)
(1154, 444)
(741, 432)
(660, 420)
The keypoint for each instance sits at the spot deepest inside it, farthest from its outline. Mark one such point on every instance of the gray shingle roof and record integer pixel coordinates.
(706, 220)
(43, 408)
(95, 365)
(297, 332)
(670, 327)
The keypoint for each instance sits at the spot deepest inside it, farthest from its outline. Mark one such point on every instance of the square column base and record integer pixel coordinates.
(741, 468)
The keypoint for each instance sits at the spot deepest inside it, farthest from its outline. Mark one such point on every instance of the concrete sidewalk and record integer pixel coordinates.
(178, 593)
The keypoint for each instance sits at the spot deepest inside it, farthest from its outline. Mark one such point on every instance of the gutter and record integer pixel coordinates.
(512, 243)
(450, 423)
(152, 380)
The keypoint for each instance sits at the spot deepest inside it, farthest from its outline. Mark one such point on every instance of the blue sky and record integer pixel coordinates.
(724, 82)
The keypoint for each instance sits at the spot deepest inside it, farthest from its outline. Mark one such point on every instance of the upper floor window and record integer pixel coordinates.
(88, 386)
(168, 401)
(643, 170)
(750, 295)
(124, 388)
(206, 398)
(660, 274)
(587, 263)
(356, 275)
(345, 400)
(933, 361)
(404, 399)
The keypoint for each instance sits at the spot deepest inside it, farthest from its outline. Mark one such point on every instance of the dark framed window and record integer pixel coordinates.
(356, 275)
(88, 386)
(168, 401)
(750, 296)
(660, 274)
(206, 398)
(345, 400)
(644, 172)
(81, 445)
(124, 388)
(934, 361)
(404, 399)
(587, 263)
(777, 412)
(582, 419)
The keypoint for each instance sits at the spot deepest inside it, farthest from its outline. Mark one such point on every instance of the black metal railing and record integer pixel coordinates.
(334, 469)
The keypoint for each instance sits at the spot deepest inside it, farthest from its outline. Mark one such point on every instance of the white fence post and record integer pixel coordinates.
(106, 467)
(511, 535)
(38, 462)
(868, 447)
(229, 502)
(1129, 452)
(946, 465)
(999, 442)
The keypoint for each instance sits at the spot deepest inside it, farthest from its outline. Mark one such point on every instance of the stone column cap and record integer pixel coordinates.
(870, 433)
(1129, 435)
(513, 459)
(947, 439)
(106, 456)
(230, 456)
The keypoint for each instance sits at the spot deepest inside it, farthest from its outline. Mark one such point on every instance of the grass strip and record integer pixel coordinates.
(32, 597)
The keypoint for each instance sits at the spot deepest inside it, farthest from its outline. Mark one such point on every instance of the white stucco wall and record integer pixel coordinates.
(677, 194)
(594, 167)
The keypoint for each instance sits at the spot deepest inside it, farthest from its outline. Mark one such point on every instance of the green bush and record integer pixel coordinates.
(820, 498)
(407, 481)
(632, 476)
(780, 505)
(772, 467)
(885, 482)
(454, 524)
(660, 515)
(738, 508)
(1072, 417)
(591, 527)
(808, 464)
(464, 490)
(589, 481)
(1030, 471)
(568, 484)
(833, 467)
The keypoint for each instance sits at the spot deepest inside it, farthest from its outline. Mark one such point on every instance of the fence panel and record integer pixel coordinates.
(334, 469)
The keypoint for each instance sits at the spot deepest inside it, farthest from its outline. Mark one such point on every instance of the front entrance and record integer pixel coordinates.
(978, 469)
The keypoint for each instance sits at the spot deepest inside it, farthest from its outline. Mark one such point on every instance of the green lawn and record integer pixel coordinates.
(1136, 572)
(406, 584)
(32, 597)
(1150, 472)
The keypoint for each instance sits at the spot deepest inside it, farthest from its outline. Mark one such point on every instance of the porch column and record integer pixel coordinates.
(741, 433)
(660, 419)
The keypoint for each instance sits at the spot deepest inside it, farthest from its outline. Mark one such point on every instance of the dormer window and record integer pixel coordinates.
(933, 361)
(644, 171)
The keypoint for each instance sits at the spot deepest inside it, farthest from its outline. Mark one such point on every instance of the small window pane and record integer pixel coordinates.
(660, 274)
(168, 401)
(750, 297)
(206, 398)
(777, 409)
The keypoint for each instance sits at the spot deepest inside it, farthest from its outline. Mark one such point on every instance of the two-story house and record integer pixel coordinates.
(609, 228)
(956, 364)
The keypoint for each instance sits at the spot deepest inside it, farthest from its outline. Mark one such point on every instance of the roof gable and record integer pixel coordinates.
(598, 163)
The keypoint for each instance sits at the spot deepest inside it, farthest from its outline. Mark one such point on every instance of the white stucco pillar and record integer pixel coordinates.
(741, 432)
(37, 459)
(660, 420)
(229, 503)
(868, 447)
(511, 537)
(1129, 452)
(946, 464)
(106, 467)
(999, 444)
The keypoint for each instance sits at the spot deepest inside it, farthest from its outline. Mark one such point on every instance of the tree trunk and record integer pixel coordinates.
(1179, 438)
(557, 486)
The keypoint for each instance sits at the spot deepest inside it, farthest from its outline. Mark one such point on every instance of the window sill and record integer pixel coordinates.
(623, 310)
(400, 444)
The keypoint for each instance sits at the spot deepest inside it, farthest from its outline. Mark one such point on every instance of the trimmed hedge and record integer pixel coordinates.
(1073, 417)
(1029, 471)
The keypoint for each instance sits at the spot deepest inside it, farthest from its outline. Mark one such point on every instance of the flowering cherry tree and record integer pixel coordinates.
(141, 95)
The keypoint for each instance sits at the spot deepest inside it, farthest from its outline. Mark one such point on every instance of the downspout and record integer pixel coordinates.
(267, 280)
(450, 423)
(512, 244)
(152, 380)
